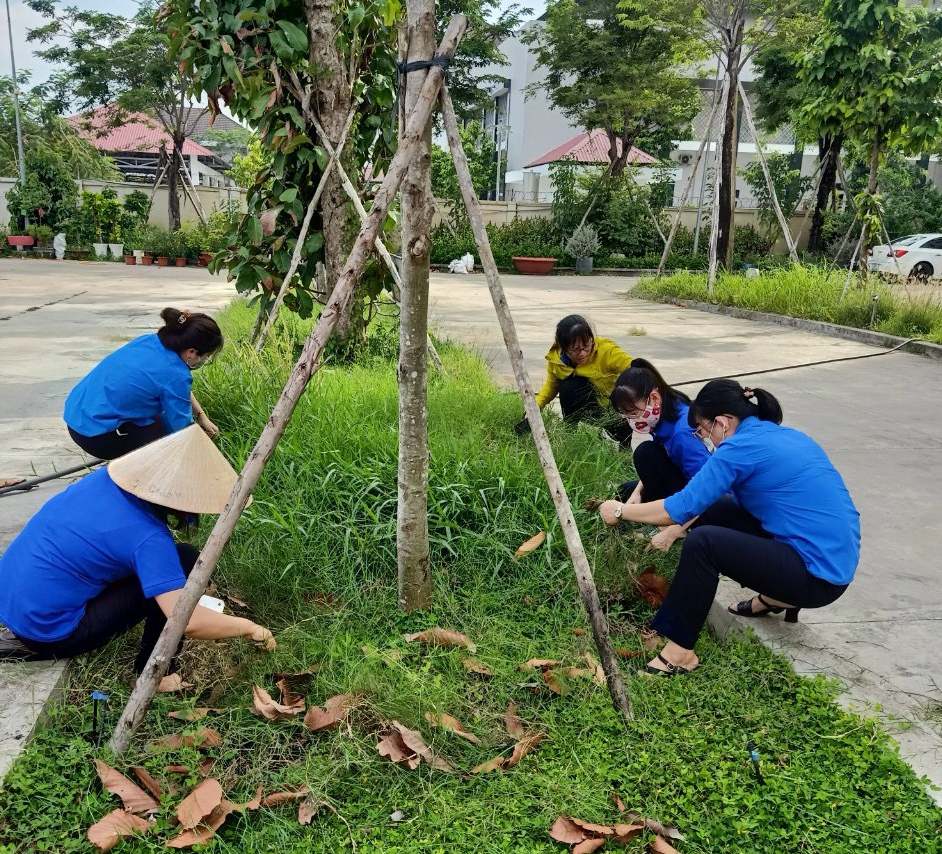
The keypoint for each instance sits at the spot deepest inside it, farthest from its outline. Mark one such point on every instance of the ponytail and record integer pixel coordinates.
(728, 397)
(184, 331)
(635, 384)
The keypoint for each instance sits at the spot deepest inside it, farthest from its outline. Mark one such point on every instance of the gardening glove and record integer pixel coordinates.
(521, 428)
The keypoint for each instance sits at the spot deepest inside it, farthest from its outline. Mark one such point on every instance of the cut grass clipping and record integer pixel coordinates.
(812, 293)
(528, 735)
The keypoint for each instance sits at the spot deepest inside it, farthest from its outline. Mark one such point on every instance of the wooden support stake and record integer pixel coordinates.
(689, 185)
(381, 249)
(817, 176)
(334, 161)
(307, 365)
(587, 589)
(853, 262)
(779, 213)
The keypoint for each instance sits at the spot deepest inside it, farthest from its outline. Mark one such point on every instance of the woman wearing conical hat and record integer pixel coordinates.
(99, 558)
(143, 390)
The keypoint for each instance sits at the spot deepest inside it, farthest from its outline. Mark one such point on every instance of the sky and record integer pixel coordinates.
(23, 18)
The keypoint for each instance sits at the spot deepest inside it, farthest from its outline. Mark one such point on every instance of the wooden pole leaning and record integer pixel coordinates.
(587, 589)
(332, 163)
(715, 212)
(779, 213)
(306, 366)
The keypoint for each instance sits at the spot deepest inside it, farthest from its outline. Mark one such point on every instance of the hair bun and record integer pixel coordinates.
(748, 393)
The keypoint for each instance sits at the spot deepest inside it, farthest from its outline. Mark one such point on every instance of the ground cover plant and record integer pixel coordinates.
(314, 558)
(813, 293)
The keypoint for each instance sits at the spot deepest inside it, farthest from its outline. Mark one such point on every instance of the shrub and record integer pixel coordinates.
(539, 238)
(583, 242)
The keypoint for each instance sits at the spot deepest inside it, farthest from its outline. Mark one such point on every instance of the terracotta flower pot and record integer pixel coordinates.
(162, 260)
(204, 259)
(130, 260)
(147, 260)
(180, 262)
(534, 266)
(20, 240)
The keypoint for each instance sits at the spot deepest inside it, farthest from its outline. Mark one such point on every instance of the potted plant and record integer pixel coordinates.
(177, 247)
(161, 244)
(583, 245)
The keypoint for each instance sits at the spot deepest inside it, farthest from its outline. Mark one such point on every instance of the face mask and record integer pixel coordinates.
(647, 420)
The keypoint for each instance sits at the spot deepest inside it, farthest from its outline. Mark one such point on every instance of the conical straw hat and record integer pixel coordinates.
(183, 471)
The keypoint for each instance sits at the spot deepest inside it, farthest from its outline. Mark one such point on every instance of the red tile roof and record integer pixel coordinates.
(139, 133)
(590, 147)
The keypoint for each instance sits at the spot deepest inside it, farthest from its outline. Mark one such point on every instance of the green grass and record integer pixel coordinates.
(814, 294)
(314, 557)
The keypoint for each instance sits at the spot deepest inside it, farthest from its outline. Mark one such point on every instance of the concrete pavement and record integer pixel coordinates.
(878, 420)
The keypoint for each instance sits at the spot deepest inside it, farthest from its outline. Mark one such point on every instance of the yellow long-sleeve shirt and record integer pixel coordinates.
(607, 361)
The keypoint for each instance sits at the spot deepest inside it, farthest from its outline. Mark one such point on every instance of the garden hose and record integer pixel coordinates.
(29, 484)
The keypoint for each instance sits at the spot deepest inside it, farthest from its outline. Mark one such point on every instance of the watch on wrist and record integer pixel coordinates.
(618, 510)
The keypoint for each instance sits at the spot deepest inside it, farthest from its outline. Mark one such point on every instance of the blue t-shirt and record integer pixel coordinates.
(80, 541)
(784, 479)
(684, 449)
(140, 382)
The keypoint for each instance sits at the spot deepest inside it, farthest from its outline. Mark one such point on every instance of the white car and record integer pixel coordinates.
(918, 256)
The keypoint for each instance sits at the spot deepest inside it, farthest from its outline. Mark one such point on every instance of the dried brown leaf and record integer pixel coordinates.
(11, 481)
(448, 722)
(575, 672)
(237, 602)
(578, 632)
(413, 740)
(191, 715)
(396, 750)
(588, 846)
(442, 637)
(290, 793)
(619, 803)
(565, 830)
(650, 640)
(666, 830)
(148, 782)
(550, 677)
(114, 827)
(254, 803)
(622, 652)
(264, 705)
(205, 738)
(205, 831)
(491, 765)
(513, 724)
(199, 803)
(659, 845)
(307, 811)
(525, 745)
(294, 686)
(538, 664)
(651, 587)
(472, 665)
(172, 683)
(594, 829)
(134, 798)
(530, 545)
(206, 767)
(334, 711)
(598, 672)
(624, 833)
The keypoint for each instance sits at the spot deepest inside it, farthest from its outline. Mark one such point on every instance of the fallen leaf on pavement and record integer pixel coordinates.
(134, 798)
(307, 811)
(199, 803)
(448, 722)
(530, 545)
(148, 782)
(651, 587)
(442, 637)
(171, 683)
(264, 705)
(291, 793)
(472, 665)
(205, 831)
(334, 711)
(201, 740)
(513, 724)
(525, 745)
(114, 827)
(11, 481)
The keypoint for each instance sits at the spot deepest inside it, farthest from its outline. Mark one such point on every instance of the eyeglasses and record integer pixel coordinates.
(572, 352)
(696, 431)
(638, 412)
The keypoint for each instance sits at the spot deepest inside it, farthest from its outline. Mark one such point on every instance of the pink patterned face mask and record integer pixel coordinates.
(646, 421)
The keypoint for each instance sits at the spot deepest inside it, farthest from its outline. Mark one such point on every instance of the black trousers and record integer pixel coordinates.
(579, 401)
(659, 474)
(128, 437)
(114, 611)
(728, 541)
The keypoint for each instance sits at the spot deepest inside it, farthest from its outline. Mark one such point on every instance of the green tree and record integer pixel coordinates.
(107, 59)
(877, 68)
(481, 152)
(247, 167)
(789, 188)
(614, 65)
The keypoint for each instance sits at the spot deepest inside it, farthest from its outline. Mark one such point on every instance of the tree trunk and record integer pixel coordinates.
(412, 547)
(867, 232)
(173, 180)
(728, 147)
(829, 149)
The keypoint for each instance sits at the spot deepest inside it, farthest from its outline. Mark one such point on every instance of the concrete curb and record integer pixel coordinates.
(850, 333)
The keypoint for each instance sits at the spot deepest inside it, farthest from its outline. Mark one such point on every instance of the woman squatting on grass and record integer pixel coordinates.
(142, 391)
(790, 531)
(667, 462)
(581, 369)
(99, 558)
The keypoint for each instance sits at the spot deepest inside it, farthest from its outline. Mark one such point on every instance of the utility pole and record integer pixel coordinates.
(16, 107)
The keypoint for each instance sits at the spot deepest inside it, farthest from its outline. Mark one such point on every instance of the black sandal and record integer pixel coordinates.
(744, 609)
(672, 669)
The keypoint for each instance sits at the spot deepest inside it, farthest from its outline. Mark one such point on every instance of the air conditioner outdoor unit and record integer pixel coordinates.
(684, 159)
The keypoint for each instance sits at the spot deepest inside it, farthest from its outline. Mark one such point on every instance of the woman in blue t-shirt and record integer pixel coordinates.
(143, 390)
(792, 533)
(667, 462)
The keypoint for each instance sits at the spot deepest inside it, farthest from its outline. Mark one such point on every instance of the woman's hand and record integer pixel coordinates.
(666, 537)
(636, 496)
(607, 512)
(209, 428)
(262, 636)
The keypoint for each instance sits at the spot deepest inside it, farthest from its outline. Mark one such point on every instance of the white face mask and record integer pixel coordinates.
(647, 420)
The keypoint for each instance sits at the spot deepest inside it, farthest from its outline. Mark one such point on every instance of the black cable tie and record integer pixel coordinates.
(424, 64)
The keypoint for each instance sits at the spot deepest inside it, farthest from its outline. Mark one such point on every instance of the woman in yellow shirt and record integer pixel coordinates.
(581, 370)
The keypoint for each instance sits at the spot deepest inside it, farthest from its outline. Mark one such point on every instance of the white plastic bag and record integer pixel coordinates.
(463, 265)
(58, 244)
